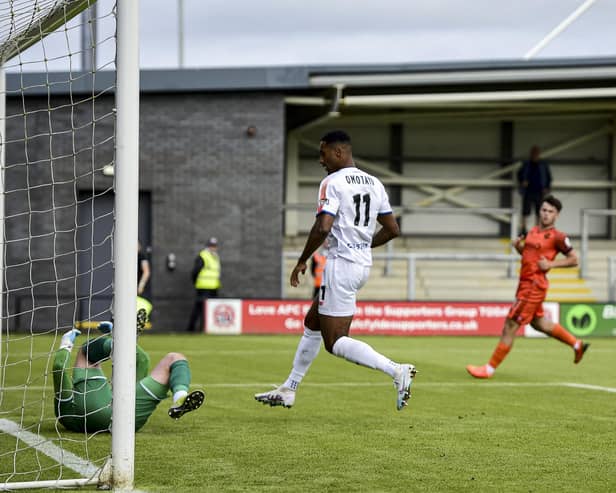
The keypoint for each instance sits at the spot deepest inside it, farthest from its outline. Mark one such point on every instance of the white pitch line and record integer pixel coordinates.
(81, 466)
(491, 384)
(25, 387)
(590, 387)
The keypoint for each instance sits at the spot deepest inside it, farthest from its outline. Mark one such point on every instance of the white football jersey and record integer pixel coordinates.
(355, 199)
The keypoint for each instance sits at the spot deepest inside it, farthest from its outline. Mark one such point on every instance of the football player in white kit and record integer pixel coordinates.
(351, 203)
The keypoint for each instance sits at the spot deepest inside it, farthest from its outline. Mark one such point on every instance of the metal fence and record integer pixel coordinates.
(584, 231)
(411, 260)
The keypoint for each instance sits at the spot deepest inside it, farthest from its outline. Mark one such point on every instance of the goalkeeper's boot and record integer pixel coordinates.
(479, 371)
(68, 339)
(281, 396)
(105, 327)
(402, 382)
(142, 319)
(186, 404)
(579, 352)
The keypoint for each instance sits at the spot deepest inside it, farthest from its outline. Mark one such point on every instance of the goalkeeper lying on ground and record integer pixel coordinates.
(83, 401)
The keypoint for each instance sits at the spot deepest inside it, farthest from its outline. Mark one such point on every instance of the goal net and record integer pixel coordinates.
(58, 152)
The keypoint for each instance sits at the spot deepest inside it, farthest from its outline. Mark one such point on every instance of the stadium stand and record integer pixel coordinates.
(455, 280)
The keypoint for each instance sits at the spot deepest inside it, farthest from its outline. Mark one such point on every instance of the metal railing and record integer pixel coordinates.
(584, 231)
(494, 212)
(412, 258)
(501, 214)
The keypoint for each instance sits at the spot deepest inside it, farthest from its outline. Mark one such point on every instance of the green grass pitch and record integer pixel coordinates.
(526, 430)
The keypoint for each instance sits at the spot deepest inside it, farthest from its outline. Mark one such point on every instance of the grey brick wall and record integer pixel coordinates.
(205, 175)
(208, 178)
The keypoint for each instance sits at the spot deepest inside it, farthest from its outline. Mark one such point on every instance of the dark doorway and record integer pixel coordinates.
(95, 221)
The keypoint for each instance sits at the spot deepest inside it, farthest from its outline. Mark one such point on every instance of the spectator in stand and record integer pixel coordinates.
(535, 180)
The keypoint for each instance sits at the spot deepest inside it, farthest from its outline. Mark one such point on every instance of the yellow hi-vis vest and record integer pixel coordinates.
(209, 275)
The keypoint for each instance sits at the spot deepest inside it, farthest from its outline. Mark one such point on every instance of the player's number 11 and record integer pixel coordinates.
(358, 199)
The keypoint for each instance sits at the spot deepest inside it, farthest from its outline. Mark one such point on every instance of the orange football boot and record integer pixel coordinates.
(579, 352)
(478, 371)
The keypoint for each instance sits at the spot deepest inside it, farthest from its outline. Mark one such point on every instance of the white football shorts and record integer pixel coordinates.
(341, 281)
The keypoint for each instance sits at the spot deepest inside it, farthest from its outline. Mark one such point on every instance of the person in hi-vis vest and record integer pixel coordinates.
(206, 277)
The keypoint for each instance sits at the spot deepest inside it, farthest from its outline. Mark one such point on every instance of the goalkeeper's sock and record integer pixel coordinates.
(307, 350)
(98, 350)
(361, 353)
(179, 397)
(179, 376)
(499, 354)
(560, 333)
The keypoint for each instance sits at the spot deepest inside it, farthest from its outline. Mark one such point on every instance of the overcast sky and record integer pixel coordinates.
(228, 33)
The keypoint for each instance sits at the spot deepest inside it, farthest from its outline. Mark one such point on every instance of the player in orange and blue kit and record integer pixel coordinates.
(539, 250)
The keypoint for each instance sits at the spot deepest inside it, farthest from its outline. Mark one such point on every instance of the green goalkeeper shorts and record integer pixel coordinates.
(148, 394)
(90, 408)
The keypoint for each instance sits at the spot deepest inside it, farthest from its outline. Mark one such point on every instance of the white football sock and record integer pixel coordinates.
(307, 350)
(361, 353)
(178, 395)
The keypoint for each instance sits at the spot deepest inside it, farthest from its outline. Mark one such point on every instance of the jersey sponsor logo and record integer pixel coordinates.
(358, 246)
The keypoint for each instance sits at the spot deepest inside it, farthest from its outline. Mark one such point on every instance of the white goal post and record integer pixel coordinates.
(68, 230)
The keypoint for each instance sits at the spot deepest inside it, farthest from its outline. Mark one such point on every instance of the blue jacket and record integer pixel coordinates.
(537, 181)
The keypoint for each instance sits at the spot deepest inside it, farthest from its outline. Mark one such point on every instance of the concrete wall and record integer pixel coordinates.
(208, 178)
